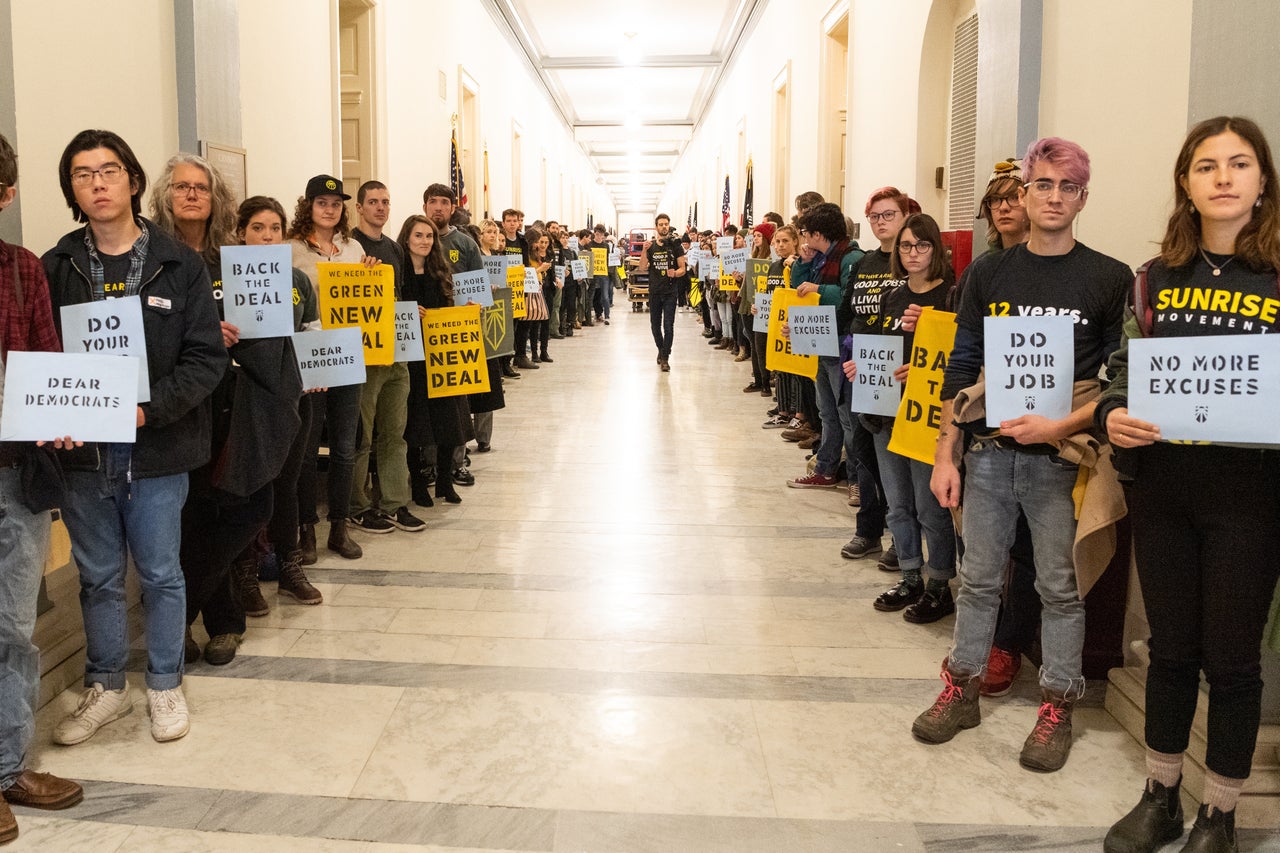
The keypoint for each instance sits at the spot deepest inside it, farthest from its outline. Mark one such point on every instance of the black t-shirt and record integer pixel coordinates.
(1085, 285)
(1191, 301)
(663, 255)
(115, 270)
(777, 276)
(859, 310)
(384, 249)
(517, 247)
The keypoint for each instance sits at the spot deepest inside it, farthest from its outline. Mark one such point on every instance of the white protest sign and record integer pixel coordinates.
(724, 244)
(496, 267)
(813, 330)
(692, 257)
(1030, 366)
(573, 244)
(734, 260)
(109, 327)
(760, 322)
(1213, 388)
(531, 282)
(579, 270)
(257, 290)
(408, 333)
(472, 287)
(709, 268)
(560, 270)
(52, 394)
(330, 357)
(875, 391)
(615, 260)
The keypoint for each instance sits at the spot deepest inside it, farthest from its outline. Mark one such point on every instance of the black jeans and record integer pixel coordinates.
(1019, 621)
(871, 514)
(568, 307)
(524, 332)
(759, 375)
(1206, 534)
(340, 409)
(662, 321)
(282, 530)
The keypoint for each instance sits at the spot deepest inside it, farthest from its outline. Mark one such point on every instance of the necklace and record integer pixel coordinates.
(1217, 268)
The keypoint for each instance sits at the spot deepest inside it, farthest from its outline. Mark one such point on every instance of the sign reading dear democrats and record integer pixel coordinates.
(52, 394)
(330, 357)
(1030, 366)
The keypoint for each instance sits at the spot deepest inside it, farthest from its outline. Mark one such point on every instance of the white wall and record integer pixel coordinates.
(113, 70)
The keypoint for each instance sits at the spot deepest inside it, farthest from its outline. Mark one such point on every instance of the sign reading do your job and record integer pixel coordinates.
(109, 327)
(355, 295)
(1216, 388)
(1030, 366)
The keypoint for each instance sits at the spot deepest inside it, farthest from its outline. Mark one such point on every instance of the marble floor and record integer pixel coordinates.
(630, 636)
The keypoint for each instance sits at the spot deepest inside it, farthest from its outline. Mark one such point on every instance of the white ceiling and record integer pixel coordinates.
(631, 79)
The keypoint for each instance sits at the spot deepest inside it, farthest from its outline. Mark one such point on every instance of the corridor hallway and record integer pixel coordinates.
(629, 636)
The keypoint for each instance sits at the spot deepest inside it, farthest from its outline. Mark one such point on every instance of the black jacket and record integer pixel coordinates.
(185, 354)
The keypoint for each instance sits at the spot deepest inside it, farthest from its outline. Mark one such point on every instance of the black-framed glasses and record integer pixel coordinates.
(922, 247)
(1044, 188)
(886, 216)
(998, 201)
(111, 173)
(201, 190)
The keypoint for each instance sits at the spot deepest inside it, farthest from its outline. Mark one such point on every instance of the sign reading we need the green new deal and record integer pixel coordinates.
(356, 295)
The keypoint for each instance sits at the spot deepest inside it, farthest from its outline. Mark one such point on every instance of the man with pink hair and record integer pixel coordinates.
(1017, 467)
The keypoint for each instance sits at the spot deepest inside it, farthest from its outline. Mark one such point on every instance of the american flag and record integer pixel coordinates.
(456, 183)
(724, 206)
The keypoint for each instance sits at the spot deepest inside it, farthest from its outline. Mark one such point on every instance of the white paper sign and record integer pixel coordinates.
(875, 391)
(573, 244)
(52, 394)
(257, 290)
(760, 322)
(496, 267)
(109, 327)
(531, 282)
(693, 255)
(709, 268)
(579, 270)
(724, 244)
(734, 260)
(472, 286)
(560, 269)
(330, 357)
(615, 260)
(813, 330)
(1215, 388)
(408, 332)
(1030, 366)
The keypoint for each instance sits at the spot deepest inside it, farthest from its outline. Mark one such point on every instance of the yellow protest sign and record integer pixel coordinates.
(728, 283)
(779, 356)
(915, 430)
(600, 261)
(453, 339)
(695, 294)
(354, 295)
(515, 281)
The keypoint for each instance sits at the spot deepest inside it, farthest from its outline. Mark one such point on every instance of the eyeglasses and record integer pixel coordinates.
(887, 216)
(921, 247)
(998, 201)
(112, 173)
(201, 190)
(1044, 188)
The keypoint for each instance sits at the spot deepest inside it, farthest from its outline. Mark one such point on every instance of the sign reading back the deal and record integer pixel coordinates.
(760, 322)
(1214, 388)
(875, 391)
(1030, 366)
(813, 330)
(329, 358)
(919, 418)
(354, 295)
(52, 394)
(455, 352)
(109, 327)
(472, 287)
(257, 290)
(408, 332)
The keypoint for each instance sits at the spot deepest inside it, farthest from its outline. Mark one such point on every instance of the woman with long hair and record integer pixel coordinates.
(533, 329)
(1206, 517)
(761, 236)
(432, 420)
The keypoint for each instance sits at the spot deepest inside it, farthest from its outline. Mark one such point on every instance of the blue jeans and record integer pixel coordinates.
(912, 509)
(110, 517)
(603, 296)
(662, 320)
(24, 538)
(998, 482)
(836, 419)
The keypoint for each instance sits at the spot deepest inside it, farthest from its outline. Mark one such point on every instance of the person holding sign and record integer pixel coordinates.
(752, 284)
(535, 327)
(1019, 466)
(569, 295)
(791, 388)
(602, 296)
(26, 324)
(1206, 517)
(320, 233)
(433, 421)
(663, 260)
(126, 499)
(925, 589)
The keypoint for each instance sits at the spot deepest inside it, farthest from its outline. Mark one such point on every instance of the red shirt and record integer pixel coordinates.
(32, 328)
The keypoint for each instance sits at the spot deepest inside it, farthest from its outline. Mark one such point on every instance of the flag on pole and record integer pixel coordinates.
(688, 223)
(695, 214)
(486, 182)
(724, 206)
(456, 183)
(748, 200)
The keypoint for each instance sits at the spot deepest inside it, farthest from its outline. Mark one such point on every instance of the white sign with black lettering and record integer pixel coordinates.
(496, 267)
(88, 397)
(573, 244)
(559, 270)
(531, 282)
(109, 327)
(615, 259)
(724, 244)
(709, 269)
(693, 255)
(409, 332)
(472, 287)
(760, 322)
(330, 358)
(1214, 388)
(813, 330)
(875, 391)
(579, 270)
(257, 290)
(734, 260)
(1030, 366)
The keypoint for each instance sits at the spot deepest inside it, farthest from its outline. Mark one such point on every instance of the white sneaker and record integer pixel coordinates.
(98, 706)
(168, 709)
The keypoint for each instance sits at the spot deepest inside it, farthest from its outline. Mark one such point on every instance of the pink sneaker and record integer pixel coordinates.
(1002, 669)
(813, 481)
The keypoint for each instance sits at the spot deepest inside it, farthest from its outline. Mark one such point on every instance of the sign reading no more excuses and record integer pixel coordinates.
(109, 327)
(472, 287)
(1030, 367)
(813, 330)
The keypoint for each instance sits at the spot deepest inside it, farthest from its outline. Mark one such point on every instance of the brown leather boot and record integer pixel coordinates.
(8, 823)
(1049, 743)
(294, 583)
(244, 580)
(307, 542)
(340, 541)
(955, 708)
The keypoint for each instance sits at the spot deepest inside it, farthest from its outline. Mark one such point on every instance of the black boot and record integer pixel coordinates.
(340, 540)
(307, 543)
(546, 358)
(445, 489)
(1213, 832)
(1154, 821)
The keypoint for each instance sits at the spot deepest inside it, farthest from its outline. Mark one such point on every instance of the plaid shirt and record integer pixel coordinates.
(32, 328)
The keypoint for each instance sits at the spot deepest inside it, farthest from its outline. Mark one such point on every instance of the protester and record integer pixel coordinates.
(761, 237)
(663, 260)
